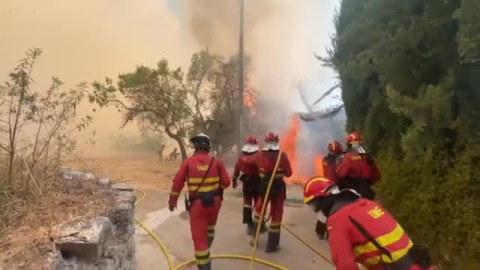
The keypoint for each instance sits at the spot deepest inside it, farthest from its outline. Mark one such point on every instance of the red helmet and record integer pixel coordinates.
(354, 138)
(335, 147)
(317, 187)
(271, 137)
(251, 139)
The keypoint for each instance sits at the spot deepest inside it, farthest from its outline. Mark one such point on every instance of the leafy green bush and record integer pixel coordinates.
(409, 72)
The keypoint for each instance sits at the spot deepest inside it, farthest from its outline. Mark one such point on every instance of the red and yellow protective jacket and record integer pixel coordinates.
(361, 166)
(329, 164)
(265, 162)
(192, 172)
(349, 246)
(247, 168)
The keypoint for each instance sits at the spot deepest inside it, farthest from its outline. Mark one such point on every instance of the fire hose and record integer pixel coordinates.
(168, 255)
(251, 258)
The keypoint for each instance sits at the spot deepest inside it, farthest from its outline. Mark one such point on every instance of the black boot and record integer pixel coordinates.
(207, 266)
(263, 227)
(250, 228)
(273, 242)
(247, 219)
(321, 229)
(247, 215)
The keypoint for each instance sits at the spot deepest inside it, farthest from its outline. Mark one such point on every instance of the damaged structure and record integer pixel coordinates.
(101, 243)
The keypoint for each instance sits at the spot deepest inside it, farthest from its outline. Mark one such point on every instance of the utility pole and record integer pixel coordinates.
(241, 82)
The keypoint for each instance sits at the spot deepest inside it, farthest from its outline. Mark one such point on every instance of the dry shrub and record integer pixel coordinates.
(24, 245)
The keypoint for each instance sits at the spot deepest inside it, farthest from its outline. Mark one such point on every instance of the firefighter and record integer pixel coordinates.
(358, 170)
(206, 178)
(266, 160)
(331, 161)
(250, 181)
(361, 231)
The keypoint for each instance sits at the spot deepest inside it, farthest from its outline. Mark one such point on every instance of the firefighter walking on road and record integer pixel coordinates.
(206, 178)
(250, 179)
(358, 170)
(361, 231)
(266, 160)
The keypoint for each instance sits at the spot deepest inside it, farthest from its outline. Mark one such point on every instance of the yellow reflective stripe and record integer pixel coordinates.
(204, 188)
(275, 224)
(317, 179)
(247, 205)
(309, 198)
(203, 261)
(274, 230)
(356, 157)
(211, 234)
(212, 227)
(198, 180)
(384, 240)
(396, 255)
(202, 253)
(174, 193)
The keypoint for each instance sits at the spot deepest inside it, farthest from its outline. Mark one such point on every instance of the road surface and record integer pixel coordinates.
(153, 177)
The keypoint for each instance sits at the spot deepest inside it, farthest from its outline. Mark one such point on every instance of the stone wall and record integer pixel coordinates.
(101, 243)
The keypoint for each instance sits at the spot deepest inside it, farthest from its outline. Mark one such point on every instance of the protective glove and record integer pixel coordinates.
(235, 184)
(172, 206)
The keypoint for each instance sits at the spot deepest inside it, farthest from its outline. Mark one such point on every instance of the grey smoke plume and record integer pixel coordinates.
(280, 38)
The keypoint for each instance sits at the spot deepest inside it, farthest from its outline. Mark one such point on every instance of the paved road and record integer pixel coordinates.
(173, 229)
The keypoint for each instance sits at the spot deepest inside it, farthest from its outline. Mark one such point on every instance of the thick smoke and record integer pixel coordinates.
(89, 39)
(280, 38)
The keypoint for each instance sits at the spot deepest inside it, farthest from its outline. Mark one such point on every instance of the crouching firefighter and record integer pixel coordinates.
(206, 178)
(361, 231)
(358, 170)
(266, 161)
(250, 181)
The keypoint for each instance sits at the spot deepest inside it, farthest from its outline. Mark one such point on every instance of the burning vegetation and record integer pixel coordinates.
(290, 143)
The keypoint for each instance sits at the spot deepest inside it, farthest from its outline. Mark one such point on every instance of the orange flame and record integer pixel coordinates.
(249, 98)
(289, 146)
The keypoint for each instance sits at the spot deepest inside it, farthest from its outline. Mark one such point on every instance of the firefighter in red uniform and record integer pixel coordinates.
(206, 178)
(361, 231)
(330, 162)
(266, 160)
(250, 181)
(358, 170)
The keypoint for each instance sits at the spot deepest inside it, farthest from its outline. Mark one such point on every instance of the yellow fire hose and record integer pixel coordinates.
(168, 255)
(251, 258)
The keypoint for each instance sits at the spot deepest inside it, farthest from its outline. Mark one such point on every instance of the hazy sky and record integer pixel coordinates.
(86, 40)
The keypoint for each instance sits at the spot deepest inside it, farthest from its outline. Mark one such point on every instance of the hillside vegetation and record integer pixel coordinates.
(410, 74)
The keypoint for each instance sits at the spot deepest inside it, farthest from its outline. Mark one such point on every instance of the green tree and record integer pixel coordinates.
(409, 76)
(165, 99)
